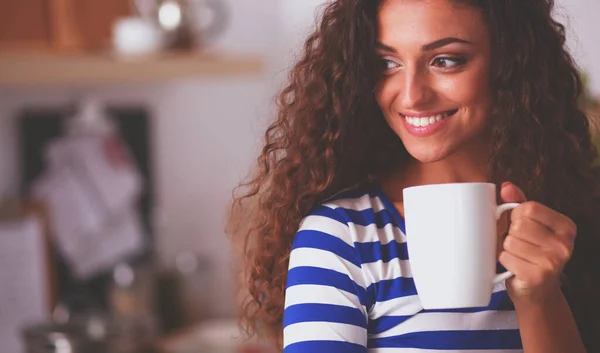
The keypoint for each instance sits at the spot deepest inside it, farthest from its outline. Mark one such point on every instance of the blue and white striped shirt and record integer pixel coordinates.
(350, 289)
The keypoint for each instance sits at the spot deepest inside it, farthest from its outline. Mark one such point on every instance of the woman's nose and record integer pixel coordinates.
(416, 90)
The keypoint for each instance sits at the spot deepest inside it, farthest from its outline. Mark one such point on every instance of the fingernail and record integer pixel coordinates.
(506, 183)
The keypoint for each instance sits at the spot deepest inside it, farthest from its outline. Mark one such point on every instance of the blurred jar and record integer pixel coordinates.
(182, 296)
(132, 325)
(131, 292)
(193, 277)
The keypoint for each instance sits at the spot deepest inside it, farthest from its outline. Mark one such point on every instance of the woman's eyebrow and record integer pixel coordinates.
(426, 47)
(442, 42)
(381, 46)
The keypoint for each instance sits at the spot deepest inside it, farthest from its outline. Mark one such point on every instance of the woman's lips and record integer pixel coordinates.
(425, 124)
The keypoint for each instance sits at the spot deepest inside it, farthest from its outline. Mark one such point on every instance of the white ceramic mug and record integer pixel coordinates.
(452, 242)
(134, 36)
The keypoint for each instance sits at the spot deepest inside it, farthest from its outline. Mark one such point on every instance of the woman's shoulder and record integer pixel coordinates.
(332, 226)
(350, 201)
(349, 214)
(353, 225)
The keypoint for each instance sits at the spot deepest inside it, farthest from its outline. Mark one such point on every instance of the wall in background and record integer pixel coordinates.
(583, 25)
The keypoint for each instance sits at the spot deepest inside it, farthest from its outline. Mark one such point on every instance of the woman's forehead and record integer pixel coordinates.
(405, 21)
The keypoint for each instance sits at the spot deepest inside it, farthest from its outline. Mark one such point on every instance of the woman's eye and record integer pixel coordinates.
(447, 62)
(388, 64)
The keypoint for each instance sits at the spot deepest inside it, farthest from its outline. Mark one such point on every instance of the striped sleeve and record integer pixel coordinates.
(325, 298)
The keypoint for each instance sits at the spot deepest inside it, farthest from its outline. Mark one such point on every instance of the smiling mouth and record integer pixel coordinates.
(428, 120)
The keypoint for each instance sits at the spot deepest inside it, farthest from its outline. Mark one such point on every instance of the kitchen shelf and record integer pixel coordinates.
(52, 68)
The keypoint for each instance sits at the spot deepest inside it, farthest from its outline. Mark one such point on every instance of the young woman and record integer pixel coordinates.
(396, 93)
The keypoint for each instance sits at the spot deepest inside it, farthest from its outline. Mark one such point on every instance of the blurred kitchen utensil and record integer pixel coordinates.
(54, 338)
(186, 23)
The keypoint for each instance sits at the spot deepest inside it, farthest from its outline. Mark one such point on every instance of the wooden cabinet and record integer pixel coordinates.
(24, 24)
(59, 24)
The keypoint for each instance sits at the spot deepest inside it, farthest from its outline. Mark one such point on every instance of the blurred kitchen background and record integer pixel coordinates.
(124, 126)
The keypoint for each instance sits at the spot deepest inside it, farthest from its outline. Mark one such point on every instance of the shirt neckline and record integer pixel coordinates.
(389, 206)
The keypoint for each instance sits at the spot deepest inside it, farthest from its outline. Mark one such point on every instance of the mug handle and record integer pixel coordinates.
(499, 211)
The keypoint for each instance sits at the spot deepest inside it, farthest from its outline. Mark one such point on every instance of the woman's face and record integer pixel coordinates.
(435, 91)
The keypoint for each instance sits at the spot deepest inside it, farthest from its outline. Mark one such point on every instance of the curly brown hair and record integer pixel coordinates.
(330, 135)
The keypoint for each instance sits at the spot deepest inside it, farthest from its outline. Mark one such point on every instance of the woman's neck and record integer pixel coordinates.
(471, 166)
(458, 169)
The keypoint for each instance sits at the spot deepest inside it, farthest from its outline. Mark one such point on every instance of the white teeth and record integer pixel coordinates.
(424, 121)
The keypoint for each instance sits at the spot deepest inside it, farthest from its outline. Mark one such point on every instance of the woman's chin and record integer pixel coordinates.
(427, 154)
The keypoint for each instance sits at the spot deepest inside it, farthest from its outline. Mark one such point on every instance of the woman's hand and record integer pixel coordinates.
(538, 245)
